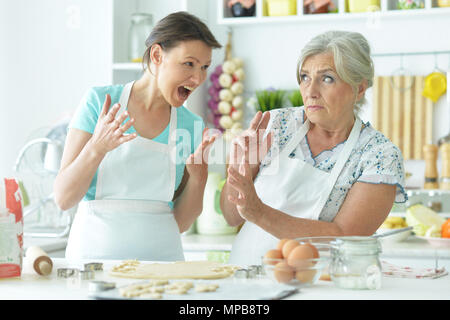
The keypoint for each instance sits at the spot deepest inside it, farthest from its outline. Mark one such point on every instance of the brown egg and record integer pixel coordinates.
(272, 254)
(299, 255)
(283, 272)
(281, 244)
(288, 247)
(305, 276)
(316, 252)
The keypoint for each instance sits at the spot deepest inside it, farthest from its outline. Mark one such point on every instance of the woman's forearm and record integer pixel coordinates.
(189, 205)
(73, 181)
(282, 225)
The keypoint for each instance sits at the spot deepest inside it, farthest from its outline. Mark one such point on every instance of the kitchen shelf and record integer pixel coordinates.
(387, 10)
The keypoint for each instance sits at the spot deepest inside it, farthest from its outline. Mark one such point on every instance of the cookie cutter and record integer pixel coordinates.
(258, 269)
(93, 266)
(86, 274)
(96, 286)
(67, 272)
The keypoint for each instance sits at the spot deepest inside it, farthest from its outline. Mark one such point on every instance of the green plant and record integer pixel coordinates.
(296, 99)
(269, 99)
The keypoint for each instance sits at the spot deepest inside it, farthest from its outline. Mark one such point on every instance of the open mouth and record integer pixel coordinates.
(184, 92)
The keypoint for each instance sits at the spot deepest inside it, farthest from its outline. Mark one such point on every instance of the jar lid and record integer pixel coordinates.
(357, 245)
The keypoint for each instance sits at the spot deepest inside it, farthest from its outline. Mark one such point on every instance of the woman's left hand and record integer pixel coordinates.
(247, 203)
(197, 163)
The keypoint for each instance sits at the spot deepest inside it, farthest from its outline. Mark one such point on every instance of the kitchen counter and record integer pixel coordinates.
(31, 286)
(197, 245)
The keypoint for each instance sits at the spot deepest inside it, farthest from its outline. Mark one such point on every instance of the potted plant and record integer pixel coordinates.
(296, 99)
(269, 99)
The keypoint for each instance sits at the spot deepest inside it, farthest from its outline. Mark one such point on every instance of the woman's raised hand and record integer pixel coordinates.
(109, 132)
(197, 162)
(250, 144)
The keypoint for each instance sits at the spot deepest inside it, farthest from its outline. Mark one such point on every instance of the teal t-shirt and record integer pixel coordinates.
(87, 113)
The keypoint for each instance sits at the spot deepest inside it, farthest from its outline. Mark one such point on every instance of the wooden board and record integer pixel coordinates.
(402, 114)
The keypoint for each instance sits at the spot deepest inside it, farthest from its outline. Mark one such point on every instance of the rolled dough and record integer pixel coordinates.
(174, 270)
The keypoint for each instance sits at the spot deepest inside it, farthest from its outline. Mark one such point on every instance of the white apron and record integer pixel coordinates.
(297, 188)
(130, 217)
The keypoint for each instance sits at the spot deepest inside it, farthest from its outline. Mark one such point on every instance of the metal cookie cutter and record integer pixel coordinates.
(96, 286)
(67, 272)
(86, 274)
(93, 266)
(258, 269)
(241, 274)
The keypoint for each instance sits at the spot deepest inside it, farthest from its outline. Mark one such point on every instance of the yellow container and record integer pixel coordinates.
(281, 7)
(363, 5)
(444, 3)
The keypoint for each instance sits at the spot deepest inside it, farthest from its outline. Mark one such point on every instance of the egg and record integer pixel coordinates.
(288, 247)
(281, 243)
(272, 254)
(305, 276)
(299, 256)
(315, 252)
(283, 272)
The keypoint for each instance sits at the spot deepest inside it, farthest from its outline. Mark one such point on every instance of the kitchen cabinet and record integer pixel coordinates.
(388, 9)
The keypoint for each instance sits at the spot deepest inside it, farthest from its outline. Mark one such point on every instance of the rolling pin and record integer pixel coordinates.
(431, 173)
(445, 174)
(40, 260)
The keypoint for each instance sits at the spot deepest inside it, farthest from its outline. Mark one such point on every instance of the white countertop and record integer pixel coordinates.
(411, 247)
(31, 286)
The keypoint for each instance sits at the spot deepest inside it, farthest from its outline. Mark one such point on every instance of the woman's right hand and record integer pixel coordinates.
(109, 132)
(250, 144)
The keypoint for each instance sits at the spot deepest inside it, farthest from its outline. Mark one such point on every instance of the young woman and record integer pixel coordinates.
(134, 155)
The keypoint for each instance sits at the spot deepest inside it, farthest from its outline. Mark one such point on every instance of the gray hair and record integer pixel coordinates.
(351, 53)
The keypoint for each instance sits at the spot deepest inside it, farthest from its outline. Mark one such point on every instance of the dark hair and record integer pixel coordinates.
(177, 27)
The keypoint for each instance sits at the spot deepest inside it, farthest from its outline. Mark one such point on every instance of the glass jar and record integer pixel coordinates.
(355, 263)
(140, 28)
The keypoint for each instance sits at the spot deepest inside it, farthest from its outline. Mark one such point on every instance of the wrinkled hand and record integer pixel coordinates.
(248, 204)
(197, 162)
(251, 145)
(109, 132)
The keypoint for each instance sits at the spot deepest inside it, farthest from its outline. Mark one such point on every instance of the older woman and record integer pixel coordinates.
(326, 172)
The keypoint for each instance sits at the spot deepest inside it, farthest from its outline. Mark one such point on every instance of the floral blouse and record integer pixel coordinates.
(375, 159)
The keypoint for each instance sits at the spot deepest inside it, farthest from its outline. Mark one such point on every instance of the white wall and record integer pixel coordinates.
(52, 51)
(47, 62)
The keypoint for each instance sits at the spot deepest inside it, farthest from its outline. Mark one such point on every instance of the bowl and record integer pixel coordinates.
(397, 237)
(307, 271)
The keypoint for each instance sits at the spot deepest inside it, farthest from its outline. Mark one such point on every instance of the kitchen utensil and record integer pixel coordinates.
(401, 112)
(446, 139)
(430, 152)
(445, 173)
(392, 232)
(435, 86)
(39, 260)
(97, 286)
(93, 266)
(67, 272)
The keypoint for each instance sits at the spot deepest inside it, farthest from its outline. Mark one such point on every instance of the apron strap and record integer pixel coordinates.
(339, 165)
